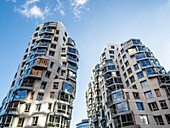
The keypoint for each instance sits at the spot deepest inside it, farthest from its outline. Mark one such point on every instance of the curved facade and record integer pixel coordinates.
(134, 89)
(44, 86)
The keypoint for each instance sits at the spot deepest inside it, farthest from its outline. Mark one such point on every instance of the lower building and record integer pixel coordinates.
(83, 124)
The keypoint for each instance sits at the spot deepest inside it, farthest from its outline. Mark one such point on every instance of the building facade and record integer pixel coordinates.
(44, 86)
(83, 124)
(128, 88)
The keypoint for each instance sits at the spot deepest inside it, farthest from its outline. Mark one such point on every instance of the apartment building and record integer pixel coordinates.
(44, 86)
(128, 88)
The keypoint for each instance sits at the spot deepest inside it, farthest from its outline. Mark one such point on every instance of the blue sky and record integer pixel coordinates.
(92, 24)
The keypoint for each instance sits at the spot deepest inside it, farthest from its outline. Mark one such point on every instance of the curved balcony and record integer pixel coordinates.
(41, 44)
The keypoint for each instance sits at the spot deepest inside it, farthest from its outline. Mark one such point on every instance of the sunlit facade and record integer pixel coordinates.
(128, 88)
(43, 89)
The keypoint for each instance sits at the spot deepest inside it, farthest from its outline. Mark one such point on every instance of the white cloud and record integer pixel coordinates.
(78, 7)
(30, 10)
(12, 1)
(81, 2)
(62, 12)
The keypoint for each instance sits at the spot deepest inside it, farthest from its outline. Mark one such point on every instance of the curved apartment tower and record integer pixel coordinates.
(129, 88)
(44, 86)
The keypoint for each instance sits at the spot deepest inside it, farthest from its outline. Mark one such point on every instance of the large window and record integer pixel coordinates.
(148, 95)
(151, 71)
(67, 87)
(122, 107)
(153, 106)
(145, 63)
(21, 94)
(168, 118)
(144, 84)
(140, 56)
(140, 75)
(136, 67)
(110, 61)
(159, 120)
(118, 96)
(144, 119)
(111, 67)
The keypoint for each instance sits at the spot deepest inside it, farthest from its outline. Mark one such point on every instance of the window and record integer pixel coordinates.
(148, 95)
(127, 63)
(64, 39)
(108, 62)
(51, 65)
(40, 96)
(136, 67)
(122, 107)
(144, 84)
(127, 83)
(123, 68)
(132, 79)
(144, 119)
(55, 39)
(53, 46)
(103, 54)
(51, 53)
(63, 50)
(126, 120)
(111, 67)
(67, 87)
(159, 120)
(140, 75)
(140, 56)
(140, 106)
(111, 52)
(47, 75)
(49, 106)
(158, 93)
(122, 51)
(168, 118)
(38, 107)
(32, 96)
(64, 64)
(136, 95)
(151, 71)
(21, 94)
(129, 71)
(124, 57)
(127, 95)
(43, 85)
(20, 122)
(112, 47)
(125, 75)
(57, 31)
(121, 61)
(153, 106)
(55, 85)
(65, 33)
(27, 107)
(52, 94)
(112, 57)
(34, 121)
(63, 72)
(145, 63)
(163, 104)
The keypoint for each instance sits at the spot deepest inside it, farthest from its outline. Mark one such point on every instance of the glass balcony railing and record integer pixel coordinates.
(72, 58)
(72, 67)
(71, 50)
(50, 24)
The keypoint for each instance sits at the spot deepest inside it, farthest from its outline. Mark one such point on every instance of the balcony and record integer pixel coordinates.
(13, 111)
(50, 24)
(44, 37)
(47, 30)
(41, 44)
(35, 73)
(72, 59)
(73, 68)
